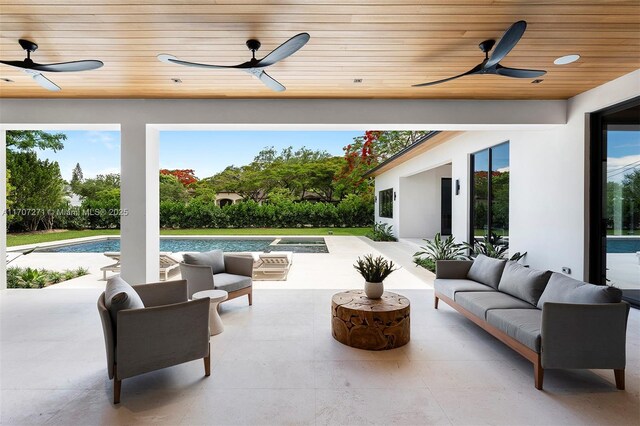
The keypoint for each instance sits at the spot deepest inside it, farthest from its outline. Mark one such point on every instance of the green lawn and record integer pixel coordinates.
(35, 238)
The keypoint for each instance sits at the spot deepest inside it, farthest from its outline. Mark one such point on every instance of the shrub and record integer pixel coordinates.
(18, 277)
(426, 263)
(438, 249)
(382, 232)
(493, 246)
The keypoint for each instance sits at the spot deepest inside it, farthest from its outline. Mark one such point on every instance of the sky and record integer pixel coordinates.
(623, 153)
(207, 152)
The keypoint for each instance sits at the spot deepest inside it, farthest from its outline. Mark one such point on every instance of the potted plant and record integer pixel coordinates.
(374, 270)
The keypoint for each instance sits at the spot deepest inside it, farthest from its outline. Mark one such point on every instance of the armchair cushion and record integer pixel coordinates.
(486, 270)
(213, 258)
(231, 282)
(562, 289)
(524, 283)
(119, 295)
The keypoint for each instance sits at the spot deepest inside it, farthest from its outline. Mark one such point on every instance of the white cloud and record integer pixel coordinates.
(103, 138)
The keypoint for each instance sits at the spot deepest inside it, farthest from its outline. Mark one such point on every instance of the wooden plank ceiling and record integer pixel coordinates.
(389, 44)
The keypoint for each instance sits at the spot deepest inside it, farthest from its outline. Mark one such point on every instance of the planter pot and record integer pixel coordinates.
(373, 290)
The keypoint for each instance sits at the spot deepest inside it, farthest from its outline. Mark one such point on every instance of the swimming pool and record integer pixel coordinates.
(306, 245)
(623, 244)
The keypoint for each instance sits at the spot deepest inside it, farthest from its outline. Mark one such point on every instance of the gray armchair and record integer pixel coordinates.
(169, 330)
(235, 280)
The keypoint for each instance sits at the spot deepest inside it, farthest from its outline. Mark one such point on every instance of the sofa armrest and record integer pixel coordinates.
(199, 277)
(584, 335)
(152, 338)
(453, 269)
(238, 265)
(164, 293)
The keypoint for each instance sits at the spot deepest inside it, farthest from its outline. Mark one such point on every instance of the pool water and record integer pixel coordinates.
(623, 245)
(201, 244)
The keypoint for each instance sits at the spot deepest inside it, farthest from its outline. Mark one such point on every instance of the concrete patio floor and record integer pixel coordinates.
(277, 363)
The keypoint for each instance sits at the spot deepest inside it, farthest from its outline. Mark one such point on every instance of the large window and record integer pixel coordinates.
(386, 203)
(490, 193)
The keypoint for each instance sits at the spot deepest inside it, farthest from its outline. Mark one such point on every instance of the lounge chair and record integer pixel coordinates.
(273, 266)
(167, 264)
(215, 270)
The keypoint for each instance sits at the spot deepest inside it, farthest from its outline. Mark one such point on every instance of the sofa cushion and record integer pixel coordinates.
(479, 302)
(522, 324)
(562, 289)
(119, 295)
(524, 283)
(486, 270)
(449, 287)
(231, 282)
(213, 258)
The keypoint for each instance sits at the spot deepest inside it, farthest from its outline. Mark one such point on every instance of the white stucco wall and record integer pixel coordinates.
(547, 188)
(419, 203)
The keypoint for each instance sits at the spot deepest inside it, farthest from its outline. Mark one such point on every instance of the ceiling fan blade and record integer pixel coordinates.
(285, 50)
(519, 73)
(17, 64)
(509, 39)
(45, 82)
(170, 59)
(68, 66)
(474, 70)
(270, 82)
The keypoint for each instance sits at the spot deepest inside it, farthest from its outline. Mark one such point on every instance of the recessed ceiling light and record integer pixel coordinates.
(176, 80)
(537, 81)
(357, 80)
(564, 60)
(8, 80)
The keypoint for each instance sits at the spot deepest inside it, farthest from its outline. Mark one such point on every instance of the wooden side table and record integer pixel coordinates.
(215, 322)
(371, 324)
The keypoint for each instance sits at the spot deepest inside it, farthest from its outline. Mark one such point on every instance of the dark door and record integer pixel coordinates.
(445, 206)
(615, 199)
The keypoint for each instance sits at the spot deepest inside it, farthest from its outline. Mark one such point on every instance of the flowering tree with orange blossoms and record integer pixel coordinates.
(185, 176)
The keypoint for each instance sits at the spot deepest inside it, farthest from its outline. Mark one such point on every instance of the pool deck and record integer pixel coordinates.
(333, 270)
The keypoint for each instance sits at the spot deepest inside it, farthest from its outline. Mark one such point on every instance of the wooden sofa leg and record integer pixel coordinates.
(207, 365)
(250, 296)
(117, 386)
(538, 373)
(619, 374)
(435, 302)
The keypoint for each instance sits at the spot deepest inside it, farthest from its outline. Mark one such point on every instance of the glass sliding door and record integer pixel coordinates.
(615, 207)
(480, 194)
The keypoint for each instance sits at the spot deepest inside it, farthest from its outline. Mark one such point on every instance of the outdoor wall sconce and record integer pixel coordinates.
(457, 186)
(394, 195)
(375, 198)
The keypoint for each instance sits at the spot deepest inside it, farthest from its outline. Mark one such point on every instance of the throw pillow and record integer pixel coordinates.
(562, 289)
(524, 283)
(486, 270)
(213, 258)
(119, 295)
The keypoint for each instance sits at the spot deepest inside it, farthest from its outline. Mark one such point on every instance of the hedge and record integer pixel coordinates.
(353, 211)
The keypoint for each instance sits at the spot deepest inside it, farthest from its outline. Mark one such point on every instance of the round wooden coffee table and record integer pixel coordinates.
(371, 324)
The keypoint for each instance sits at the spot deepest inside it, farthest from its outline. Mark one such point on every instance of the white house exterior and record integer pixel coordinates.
(548, 183)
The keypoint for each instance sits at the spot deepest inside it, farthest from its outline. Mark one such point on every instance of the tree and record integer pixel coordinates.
(185, 176)
(90, 187)
(39, 189)
(28, 140)
(171, 189)
(76, 178)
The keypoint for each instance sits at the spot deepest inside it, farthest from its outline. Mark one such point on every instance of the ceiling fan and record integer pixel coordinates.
(34, 69)
(491, 65)
(254, 66)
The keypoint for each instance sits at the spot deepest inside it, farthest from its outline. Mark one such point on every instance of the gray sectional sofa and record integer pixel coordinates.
(552, 320)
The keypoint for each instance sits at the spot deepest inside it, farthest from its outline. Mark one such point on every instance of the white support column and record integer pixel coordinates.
(140, 198)
(3, 209)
